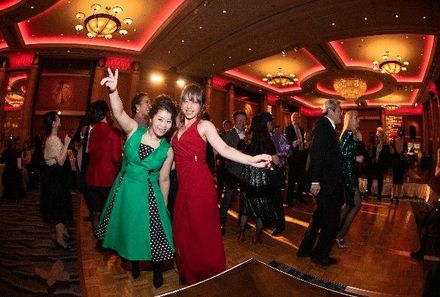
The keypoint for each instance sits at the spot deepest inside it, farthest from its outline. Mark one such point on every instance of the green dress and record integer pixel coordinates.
(135, 221)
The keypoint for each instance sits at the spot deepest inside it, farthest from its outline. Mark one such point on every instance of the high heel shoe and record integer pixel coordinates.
(340, 243)
(62, 244)
(241, 236)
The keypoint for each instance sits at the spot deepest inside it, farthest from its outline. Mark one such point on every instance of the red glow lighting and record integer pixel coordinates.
(219, 82)
(160, 18)
(271, 98)
(310, 112)
(118, 63)
(21, 60)
(427, 56)
(5, 4)
(256, 81)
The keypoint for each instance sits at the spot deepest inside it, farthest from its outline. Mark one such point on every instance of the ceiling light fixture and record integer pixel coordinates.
(390, 66)
(350, 88)
(280, 79)
(390, 107)
(102, 24)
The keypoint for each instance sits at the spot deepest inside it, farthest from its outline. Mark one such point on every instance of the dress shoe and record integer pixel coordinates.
(277, 231)
(303, 254)
(324, 261)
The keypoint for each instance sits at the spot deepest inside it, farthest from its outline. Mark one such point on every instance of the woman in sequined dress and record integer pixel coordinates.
(350, 143)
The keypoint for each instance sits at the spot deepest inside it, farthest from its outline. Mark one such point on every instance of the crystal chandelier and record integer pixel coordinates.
(390, 106)
(390, 66)
(350, 88)
(103, 24)
(280, 79)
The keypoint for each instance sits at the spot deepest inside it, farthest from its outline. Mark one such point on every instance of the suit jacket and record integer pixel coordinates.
(232, 139)
(325, 159)
(105, 154)
(291, 137)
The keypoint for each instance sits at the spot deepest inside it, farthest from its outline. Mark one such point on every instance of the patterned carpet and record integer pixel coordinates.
(30, 262)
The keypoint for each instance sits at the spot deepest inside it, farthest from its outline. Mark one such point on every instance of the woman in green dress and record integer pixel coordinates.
(135, 221)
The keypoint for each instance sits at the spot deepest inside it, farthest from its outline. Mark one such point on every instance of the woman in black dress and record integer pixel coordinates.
(55, 204)
(257, 200)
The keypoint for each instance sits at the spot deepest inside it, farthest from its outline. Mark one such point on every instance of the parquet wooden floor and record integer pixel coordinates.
(375, 263)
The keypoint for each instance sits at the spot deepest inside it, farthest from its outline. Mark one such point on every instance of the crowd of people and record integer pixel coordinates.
(149, 187)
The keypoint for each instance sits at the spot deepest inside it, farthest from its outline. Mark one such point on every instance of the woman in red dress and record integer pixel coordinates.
(196, 229)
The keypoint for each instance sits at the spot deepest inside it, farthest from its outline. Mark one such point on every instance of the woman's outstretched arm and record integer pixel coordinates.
(207, 129)
(111, 82)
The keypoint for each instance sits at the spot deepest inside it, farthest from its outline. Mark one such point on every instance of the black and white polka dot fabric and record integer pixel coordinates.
(102, 227)
(160, 249)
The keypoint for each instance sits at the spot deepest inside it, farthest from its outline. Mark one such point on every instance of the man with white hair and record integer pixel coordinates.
(325, 174)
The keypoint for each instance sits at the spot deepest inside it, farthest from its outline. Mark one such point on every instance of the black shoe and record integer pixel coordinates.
(324, 261)
(303, 254)
(157, 278)
(418, 255)
(277, 231)
(135, 272)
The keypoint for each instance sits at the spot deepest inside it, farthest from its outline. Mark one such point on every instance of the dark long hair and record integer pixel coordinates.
(260, 138)
(48, 120)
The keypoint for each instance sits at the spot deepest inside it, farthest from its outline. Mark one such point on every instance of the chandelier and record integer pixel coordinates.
(350, 88)
(390, 106)
(280, 79)
(390, 66)
(102, 24)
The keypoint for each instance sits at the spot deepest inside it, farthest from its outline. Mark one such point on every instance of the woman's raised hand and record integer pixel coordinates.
(111, 81)
(261, 161)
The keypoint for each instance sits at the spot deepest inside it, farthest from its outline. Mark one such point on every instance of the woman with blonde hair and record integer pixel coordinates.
(350, 143)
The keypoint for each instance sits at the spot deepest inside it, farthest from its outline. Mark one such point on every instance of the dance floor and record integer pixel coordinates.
(376, 262)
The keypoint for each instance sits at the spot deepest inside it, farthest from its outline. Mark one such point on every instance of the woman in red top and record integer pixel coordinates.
(105, 152)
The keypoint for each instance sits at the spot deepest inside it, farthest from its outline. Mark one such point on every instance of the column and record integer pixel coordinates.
(97, 89)
(425, 123)
(231, 102)
(3, 84)
(134, 81)
(208, 95)
(27, 112)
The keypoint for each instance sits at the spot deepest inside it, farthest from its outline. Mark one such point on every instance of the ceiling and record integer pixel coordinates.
(244, 40)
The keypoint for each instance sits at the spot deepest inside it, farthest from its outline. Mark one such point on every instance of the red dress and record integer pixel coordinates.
(196, 224)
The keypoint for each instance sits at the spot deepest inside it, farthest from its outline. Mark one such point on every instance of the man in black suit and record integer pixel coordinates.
(296, 161)
(231, 170)
(325, 174)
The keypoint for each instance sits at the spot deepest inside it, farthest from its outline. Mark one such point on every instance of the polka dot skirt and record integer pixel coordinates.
(160, 249)
(102, 227)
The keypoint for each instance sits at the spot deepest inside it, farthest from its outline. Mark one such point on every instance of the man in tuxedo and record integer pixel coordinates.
(296, 161)
(231, 170)
(325, 173)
